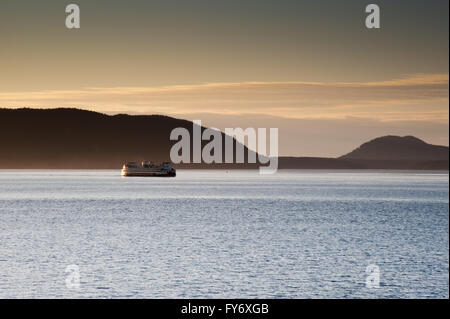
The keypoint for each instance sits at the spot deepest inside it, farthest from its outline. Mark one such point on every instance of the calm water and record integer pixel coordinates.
(296, 234)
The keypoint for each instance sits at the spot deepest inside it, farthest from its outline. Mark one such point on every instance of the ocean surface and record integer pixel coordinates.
(224, 234)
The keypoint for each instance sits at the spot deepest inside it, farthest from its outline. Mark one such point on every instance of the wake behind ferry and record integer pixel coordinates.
(148, 168)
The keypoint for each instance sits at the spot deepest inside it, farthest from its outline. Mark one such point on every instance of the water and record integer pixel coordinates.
(217, 234)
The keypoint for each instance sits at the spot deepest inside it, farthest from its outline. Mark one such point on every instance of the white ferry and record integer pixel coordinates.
(148, 168)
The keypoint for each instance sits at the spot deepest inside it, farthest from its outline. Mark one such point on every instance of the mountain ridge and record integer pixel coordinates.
(73, 138)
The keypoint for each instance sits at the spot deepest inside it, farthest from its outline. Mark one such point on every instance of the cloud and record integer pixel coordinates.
(414, 97)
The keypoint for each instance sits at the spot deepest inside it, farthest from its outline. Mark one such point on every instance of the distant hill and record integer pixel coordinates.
(387, 152)
(398, 148)
(73, 138)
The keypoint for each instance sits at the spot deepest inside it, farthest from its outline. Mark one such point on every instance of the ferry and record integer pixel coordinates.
(148, 168)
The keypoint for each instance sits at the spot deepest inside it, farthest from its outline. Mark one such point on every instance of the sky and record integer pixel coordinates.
(310, 68)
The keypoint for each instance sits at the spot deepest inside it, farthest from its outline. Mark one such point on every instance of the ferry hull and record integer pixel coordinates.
(148, 174)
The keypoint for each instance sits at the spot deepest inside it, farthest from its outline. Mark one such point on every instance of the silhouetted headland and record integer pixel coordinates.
(78, 139)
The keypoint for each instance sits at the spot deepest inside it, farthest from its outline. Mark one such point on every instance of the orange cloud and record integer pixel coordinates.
(415, 97)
